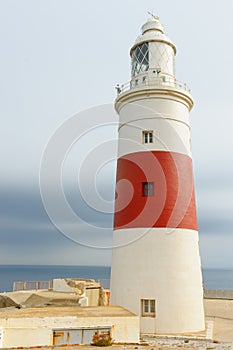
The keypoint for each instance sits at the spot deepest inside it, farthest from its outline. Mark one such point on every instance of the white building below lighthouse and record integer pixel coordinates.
(156, 267)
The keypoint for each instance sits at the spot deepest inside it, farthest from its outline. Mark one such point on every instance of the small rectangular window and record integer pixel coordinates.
(148, 307)
(148, 189)
(152, 306)
(150, 137)
(147, 136)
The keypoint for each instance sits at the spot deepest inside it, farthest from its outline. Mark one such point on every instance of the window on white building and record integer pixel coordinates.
(147, 136)
(148, 307)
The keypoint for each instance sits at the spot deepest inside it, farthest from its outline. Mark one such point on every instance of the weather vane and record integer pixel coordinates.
(153, 16)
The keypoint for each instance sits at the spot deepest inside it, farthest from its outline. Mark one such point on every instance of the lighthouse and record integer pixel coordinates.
(156, 267)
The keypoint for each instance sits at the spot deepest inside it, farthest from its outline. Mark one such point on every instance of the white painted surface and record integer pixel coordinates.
(37, 331)
(1, 337)
(161, 52)
(90, 295)
(154, 105)
(162, 58)
(83, 301)
(168, 118)
(164, 265)
(16, 337)
(60, 285)
(153, 31)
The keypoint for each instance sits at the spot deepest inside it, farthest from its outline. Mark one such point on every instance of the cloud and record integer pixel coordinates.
(28, 236)
(212, 224)
(216, 250)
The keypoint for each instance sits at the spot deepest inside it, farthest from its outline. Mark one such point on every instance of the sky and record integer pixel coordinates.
(60, 62)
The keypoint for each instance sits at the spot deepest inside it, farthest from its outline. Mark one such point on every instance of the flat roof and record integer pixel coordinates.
(63, 311)
(22, 296)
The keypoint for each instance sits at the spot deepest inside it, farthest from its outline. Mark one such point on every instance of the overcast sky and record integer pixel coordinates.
(63, 58)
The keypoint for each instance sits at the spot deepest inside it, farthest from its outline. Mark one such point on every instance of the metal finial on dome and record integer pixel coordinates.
(156, 18)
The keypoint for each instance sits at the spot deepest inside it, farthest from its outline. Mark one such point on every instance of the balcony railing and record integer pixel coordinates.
(146, 80)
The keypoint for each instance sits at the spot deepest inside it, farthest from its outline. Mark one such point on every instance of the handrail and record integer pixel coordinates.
(32, 285)
(147, 80)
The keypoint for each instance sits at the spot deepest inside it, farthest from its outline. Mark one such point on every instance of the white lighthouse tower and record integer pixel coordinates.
(156, 268)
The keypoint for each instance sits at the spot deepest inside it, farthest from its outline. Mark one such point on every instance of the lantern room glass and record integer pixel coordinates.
(140, 59)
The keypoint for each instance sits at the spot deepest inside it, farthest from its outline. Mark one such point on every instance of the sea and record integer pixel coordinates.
(212, 278)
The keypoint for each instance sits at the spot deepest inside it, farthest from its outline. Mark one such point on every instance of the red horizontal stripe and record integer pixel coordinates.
(173, 203)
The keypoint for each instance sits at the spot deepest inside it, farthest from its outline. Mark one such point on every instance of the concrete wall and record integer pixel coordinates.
(38, 331)
(60, 285)
(93, 294)
(26, 337)
(218, 294)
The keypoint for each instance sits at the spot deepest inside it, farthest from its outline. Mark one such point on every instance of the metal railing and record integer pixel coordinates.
(147, 80)
(32, 285)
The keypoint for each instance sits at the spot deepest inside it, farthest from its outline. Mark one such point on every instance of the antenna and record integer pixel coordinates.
(156, 18)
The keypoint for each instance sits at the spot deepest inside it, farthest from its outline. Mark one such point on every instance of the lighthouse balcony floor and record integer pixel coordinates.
(146, 80)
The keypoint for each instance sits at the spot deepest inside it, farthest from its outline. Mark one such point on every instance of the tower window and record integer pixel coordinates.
(140, 59)
(147, 136)
(147, 189)
(148, 307)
